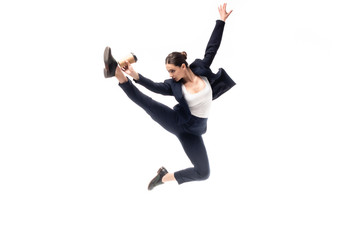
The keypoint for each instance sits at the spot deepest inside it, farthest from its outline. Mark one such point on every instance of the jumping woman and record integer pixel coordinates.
(194, 86)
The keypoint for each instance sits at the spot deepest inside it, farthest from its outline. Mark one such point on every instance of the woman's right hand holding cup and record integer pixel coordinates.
(129, 70)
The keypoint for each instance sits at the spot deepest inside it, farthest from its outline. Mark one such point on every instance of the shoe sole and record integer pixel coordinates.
(106, 73)
(107, 54)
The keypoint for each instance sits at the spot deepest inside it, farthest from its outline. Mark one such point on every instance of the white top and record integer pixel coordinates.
(200, 102)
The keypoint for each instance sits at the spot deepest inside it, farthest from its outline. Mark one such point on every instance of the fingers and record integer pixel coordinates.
(126, 66)
(118, 71)
(222, 7)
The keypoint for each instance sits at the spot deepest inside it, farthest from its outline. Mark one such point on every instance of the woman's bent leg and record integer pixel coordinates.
(195, 149)
(161, 113)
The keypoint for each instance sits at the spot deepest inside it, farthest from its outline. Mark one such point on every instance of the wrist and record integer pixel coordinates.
(136, 76)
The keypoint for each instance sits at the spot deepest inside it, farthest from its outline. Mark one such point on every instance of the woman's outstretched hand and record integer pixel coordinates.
(223, 13)
(129, 70)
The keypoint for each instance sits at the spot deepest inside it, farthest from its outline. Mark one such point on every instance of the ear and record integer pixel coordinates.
(183, 66)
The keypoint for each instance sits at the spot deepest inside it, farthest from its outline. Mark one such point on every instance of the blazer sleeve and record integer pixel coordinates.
(214, 43)
(163, 88)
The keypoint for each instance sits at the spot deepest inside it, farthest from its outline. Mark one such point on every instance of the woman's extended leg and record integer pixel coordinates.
(161, 113)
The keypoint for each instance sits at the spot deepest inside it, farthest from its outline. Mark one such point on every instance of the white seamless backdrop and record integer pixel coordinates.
(76, 155)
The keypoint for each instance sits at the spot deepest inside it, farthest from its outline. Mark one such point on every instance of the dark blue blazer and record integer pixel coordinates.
(220, 82)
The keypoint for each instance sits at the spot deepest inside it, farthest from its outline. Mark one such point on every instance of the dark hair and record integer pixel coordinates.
(176, 58)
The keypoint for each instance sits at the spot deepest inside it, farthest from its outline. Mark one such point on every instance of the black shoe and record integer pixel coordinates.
(157, 180)
(110, 63)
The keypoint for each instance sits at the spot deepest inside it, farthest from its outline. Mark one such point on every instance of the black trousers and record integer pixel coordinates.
(191, 142)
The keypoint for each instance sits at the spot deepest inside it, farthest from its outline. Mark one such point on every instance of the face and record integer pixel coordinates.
(175, 72)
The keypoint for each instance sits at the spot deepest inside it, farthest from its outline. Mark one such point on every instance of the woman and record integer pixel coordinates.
(194, 86)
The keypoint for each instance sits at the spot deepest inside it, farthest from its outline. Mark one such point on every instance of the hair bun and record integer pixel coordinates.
(184, 53)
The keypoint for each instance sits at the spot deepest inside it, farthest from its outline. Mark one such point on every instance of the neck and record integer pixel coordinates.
(189, 76)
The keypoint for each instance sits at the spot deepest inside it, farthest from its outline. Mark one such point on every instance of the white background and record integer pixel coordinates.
(77, 155)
